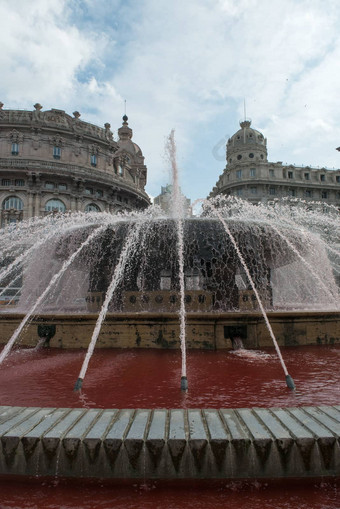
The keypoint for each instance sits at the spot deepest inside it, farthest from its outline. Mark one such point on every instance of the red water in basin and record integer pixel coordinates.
(307, 494)
(151, 378)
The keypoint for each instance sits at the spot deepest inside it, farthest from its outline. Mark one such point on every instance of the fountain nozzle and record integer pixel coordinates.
(290, 382)
(184, 383)
(78, 385)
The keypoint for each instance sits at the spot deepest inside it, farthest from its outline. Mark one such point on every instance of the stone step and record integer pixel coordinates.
(178, 443)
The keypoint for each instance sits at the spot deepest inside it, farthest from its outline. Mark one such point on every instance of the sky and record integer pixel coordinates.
(184, 65)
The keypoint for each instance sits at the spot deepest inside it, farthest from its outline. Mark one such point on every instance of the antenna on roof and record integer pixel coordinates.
(124, 106)
(244, 107)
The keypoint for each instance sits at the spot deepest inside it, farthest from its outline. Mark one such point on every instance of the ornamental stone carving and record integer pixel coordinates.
(57, 140)
(15, 136)
(94, 149)
(108, 133)
(37, 115)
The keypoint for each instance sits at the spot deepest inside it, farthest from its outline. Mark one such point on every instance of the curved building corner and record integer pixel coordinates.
(249, 175)
(53, 162)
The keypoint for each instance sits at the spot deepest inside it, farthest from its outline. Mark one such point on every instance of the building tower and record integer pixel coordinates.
(249, 175)
(246, 146)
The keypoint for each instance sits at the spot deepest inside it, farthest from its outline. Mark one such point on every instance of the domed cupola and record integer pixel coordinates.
(125, 132)
(246, 145)
(125, 142)
(129, 159)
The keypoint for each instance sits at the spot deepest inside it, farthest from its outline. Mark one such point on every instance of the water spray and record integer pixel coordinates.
(178, 214)
(116, 278)
(53, 281)
(289, 380)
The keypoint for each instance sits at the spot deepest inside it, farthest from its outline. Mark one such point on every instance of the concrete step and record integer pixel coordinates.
(178, 443)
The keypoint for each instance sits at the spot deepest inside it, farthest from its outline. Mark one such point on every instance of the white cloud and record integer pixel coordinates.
(187, 61)
(42, 52)
(186, 65)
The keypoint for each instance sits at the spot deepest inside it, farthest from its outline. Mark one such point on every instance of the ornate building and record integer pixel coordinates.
(52, 162)
(249, 175)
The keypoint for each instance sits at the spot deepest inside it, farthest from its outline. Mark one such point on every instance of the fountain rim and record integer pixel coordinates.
(142, 433)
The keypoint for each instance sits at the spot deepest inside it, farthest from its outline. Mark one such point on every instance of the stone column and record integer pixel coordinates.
(78, 204)
(38, 204)
(73, 203)
(30, 208)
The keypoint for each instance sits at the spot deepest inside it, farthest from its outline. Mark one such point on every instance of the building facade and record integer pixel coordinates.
(165, 201)
(249, 175)
(52, 162)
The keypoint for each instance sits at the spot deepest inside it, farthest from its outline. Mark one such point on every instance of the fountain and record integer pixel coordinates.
(115, 279)
(238, 273)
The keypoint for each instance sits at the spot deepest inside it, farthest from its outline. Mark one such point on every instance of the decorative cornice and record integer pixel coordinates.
(56, 119)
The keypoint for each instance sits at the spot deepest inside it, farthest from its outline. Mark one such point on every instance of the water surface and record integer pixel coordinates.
(151, 378)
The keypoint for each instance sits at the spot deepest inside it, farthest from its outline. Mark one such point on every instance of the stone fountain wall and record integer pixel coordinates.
(161, 330)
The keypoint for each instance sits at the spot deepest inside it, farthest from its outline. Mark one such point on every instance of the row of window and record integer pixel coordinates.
(306, 176)
(63, 187)
(250, 135)
(93, 159)
(239, 157)
(308, 193)
(97, 192)
(9, 182)
(56, 153)
(51, 186)
(290, 175)
(15, 203)
(252, 173)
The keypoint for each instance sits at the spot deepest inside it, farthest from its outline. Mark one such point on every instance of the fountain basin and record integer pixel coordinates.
(205, 436)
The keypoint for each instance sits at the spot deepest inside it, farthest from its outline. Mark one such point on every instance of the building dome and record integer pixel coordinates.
(125, 142)
(246, 144)
(129, 159)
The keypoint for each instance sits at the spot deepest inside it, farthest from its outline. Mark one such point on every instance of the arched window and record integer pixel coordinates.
(12, 202)
(55, 206)
(12, 210)
(92, 207)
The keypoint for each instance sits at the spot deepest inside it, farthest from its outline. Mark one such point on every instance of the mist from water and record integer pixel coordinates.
(55, 253)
